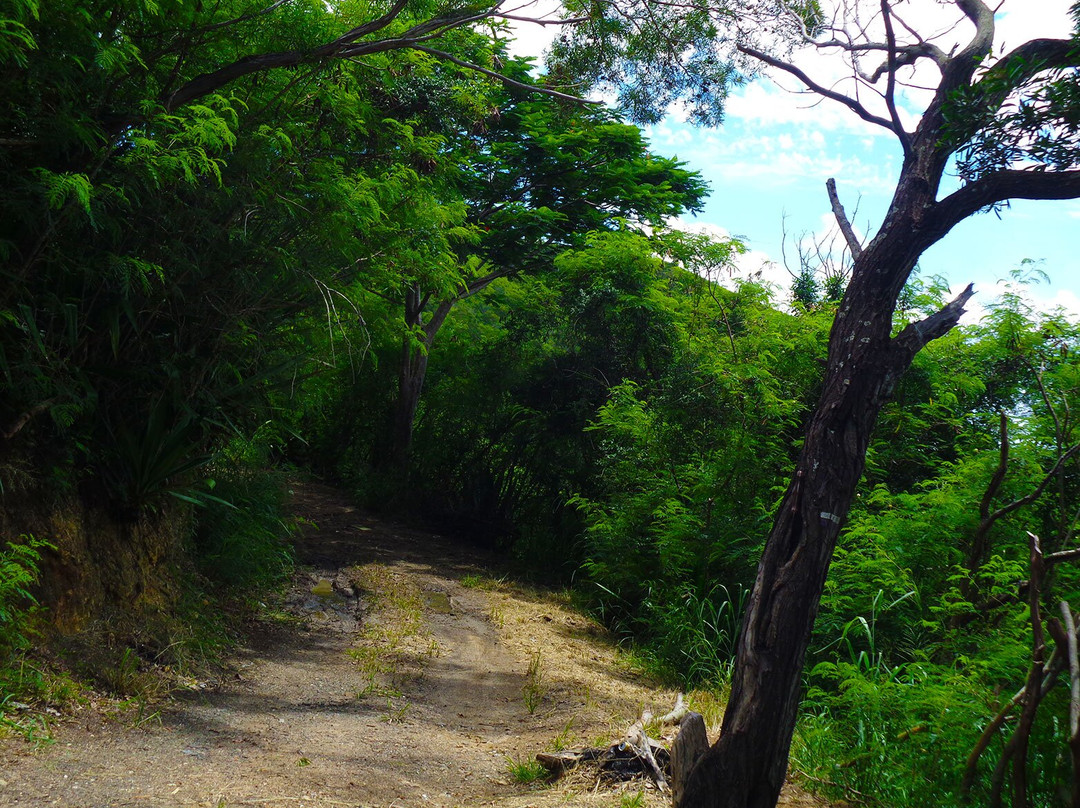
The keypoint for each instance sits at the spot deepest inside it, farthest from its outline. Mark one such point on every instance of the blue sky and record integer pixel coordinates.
(768, 164)
(769, 177)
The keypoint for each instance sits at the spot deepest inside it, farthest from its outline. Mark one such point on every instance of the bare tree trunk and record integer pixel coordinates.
(415, 345)
(747, 765)
(411, 372)
(414, 360)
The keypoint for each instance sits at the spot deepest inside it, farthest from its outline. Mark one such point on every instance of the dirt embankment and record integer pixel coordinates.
(399, 674)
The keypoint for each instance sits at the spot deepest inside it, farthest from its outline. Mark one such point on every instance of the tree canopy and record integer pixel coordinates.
(367, 240)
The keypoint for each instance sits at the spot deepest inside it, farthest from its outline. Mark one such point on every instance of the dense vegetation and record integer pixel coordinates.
(461, 298)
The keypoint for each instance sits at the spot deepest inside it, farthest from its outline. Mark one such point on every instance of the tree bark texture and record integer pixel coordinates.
(747, 765)
(414, 361)
(745, 768)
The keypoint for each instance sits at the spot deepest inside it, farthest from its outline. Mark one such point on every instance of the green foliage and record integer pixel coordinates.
(676, 54)
(20, 679)
(889, 735)
(194, 294)
(923, 633)
(19, 565)
(526, 772)
(242, 537)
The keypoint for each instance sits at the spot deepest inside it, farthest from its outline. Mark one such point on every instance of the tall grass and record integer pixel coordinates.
(884, 733)
(242, 535)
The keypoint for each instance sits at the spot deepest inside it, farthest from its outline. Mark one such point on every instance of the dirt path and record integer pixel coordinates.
(399, 676)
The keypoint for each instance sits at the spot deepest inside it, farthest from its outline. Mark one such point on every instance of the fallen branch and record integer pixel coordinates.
(12, 429)
(635, 755)
(638, 742)
(677, 712)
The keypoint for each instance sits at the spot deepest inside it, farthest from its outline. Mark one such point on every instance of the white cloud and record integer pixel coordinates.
(765, 103)
(1045, 298)
(779, 157)
(1021, 20)
(530, 38)
(752, 265)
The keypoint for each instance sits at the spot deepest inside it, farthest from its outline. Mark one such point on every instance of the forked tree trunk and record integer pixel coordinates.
(414, 360)
(747, 765)
(415, 346)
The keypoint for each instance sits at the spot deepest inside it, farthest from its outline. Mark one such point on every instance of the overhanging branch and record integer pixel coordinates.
(999, 186)
(533, 88)
(350, 45)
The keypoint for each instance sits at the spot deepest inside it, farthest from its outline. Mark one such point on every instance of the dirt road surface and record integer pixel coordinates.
(399, 674)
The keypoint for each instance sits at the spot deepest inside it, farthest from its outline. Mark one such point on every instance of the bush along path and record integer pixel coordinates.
(397, 673)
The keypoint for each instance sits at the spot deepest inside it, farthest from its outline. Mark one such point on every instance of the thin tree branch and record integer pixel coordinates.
(813, 86)
(348, 46)
(1053, 667)
(890, 85)
(12, 429)
(532, 88)
(243, 18)
(538, 21)
(999, 472)
(842, 220)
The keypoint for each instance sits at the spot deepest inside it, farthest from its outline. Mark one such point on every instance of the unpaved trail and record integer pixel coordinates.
(336, 704)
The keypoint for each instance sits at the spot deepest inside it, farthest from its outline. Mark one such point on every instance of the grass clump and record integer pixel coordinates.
(393, 645)
(565, 738)
(482, 582)
(526, 771)
(534, 689)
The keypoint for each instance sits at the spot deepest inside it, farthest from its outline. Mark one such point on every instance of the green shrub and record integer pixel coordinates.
(21, 681)
(242, 535)
(526, 771)
(18, 572)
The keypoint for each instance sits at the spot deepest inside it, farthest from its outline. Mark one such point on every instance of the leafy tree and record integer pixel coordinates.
(533, 178)
(1005, 151)
(163, 282)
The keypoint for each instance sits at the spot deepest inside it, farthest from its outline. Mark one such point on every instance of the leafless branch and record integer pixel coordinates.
(532, 88)
(539, 21)
(999, 473)
(918, 334)
(813, 86)
(23, 419)
(890, 86)
(842, 220)
(245, 17)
